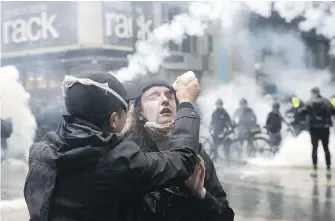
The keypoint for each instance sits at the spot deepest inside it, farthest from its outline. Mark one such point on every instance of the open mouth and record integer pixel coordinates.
(166, 111)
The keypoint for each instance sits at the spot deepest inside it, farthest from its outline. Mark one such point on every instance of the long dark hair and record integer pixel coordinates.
(137, 133)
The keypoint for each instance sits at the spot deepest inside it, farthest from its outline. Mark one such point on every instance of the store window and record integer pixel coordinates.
(30, 81)
(187, 45)
(55, 78)
(173, 46)
(41, 81)
(210, 44)
(194, 43)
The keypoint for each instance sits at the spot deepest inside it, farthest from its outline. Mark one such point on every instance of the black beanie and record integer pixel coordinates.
(94, 104)
(149, 82)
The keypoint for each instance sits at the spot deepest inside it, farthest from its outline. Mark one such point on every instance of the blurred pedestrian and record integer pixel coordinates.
(6, 132)
(320, 111)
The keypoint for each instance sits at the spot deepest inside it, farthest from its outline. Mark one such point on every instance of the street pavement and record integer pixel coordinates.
(280, 194)
(255, 194)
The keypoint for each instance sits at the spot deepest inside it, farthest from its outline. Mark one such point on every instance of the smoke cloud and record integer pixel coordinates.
(287, 64)
(316, 15)
(151, 53)
(14, 106)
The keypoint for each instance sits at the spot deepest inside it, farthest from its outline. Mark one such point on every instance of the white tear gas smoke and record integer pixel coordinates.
(15, 106)
(286, 62)
(316, 15)
(293, 151)
(151, 53)
(285, 66)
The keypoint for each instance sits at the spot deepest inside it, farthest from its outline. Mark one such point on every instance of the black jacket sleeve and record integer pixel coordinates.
(228, 120)
(214, 206)
(304, 110)
(149, 171)
(268, 122)
(253, 116)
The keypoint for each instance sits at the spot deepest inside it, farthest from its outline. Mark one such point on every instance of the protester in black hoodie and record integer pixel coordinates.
(83, 171)
(320, 112)
(154, 117)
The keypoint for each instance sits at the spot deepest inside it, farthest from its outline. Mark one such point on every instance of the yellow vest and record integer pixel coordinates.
(295, 102)
(332, 101)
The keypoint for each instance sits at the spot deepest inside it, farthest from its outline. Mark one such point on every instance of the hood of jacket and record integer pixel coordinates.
(77, 143)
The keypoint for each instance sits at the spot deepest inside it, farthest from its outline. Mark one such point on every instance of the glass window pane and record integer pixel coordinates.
(173, 46)
(186, 45)
(41, 81)
(210, 44)
(30, 81)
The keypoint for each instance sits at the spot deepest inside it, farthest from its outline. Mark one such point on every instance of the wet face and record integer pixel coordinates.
(158, 105)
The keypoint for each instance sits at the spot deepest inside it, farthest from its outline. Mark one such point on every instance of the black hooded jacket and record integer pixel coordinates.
(75, 175)
(320, 111)
(220, 120)
(178, 203)
(274, 122)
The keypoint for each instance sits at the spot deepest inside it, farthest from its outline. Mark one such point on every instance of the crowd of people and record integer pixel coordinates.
(131, 151)
(314, 116)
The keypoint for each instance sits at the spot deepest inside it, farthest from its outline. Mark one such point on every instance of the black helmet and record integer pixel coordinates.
(276, 105)
(315, 90)
(219, 102)
(243, 102)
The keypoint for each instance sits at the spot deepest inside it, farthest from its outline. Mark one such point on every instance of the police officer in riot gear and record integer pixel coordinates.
(299, 122)
(220, 123)
(245, 117)
(320, 111)
(246, 122)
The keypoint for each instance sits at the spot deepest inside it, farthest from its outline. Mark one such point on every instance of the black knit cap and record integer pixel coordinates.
(149, 82)
(94, 104)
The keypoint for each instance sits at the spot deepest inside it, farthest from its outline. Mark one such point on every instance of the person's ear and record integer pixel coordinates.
(112, 120)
